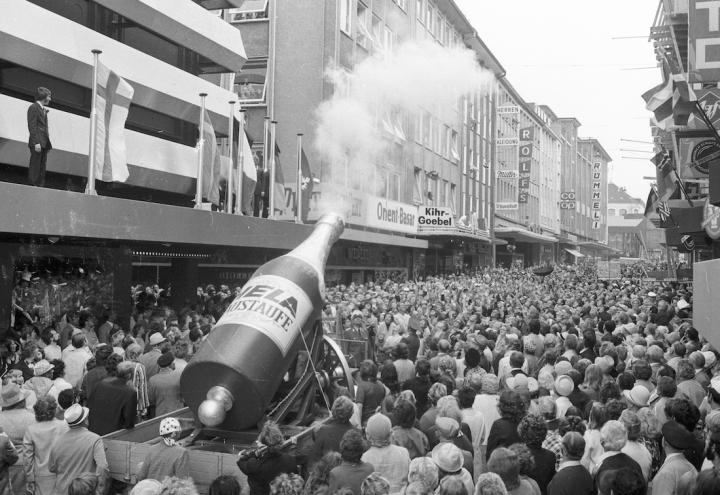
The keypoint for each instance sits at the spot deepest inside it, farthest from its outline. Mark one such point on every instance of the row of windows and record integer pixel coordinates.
(432, 22)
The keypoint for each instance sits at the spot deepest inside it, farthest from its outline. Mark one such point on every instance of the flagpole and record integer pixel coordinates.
(271, 212)
(90, 187)
(241, 163)
(229, 185)
(298, 186)
(200, 147)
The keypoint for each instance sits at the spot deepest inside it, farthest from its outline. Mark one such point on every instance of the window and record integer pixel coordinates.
(623, 212)
(393, 192)
(611, 212)
(429, 18)
(454, 146)
(377, 32)
(442, 200)
(418, 189)
(346, 17)
(250, 84)
(420, 9)
(432, 192)
(250, 10)
(402, 4)
(364, 37)
(451, 199)
(426, 128)
(388, 39)
(635, 210)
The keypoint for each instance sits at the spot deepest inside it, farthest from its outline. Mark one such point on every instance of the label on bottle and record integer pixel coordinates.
(272, 305)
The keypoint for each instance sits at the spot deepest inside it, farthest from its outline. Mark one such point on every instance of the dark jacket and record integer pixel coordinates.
(113, 406)
(571, 480)
(503, 433)
(544, 469)
(38, 127)
(616, 462)
(260, 472)
(327, 438)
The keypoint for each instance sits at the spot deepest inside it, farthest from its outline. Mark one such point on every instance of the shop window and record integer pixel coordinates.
(250, 85)
(346, 17)
(250, 10)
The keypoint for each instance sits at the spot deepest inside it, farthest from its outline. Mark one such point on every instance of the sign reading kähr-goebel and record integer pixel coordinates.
(435, 220)
(391, 215)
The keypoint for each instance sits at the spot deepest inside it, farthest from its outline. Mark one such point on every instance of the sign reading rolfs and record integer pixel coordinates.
(704, 41)
(435, 220)
(596, 197)
(525, 152)
(391, 215)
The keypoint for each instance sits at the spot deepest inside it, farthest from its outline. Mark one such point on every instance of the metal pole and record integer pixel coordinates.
(241, 164)
(492, 182)
(229, 186)
(200, 147)
(298, 185)
(90, 187)
(271, 212)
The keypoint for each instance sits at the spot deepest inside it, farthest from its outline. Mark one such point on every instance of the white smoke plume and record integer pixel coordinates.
(416, 76)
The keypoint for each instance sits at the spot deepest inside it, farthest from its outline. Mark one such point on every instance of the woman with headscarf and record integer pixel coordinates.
(390, 461)
(423, 470)
(327, 437)
(37, 441)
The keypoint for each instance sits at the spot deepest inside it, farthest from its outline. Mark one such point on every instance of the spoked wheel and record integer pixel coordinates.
(335, 366)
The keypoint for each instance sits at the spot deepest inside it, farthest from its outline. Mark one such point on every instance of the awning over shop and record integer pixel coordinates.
(523, 235)
(575, 253)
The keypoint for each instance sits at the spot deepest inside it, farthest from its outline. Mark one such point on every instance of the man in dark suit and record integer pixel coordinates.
(39, 141)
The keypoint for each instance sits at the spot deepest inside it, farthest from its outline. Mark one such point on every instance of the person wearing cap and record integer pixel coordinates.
(390, 461)
(149, 359)
(75, 356)
(41, 383)
(113, 404)
(78, 451)
(14, 421)
(37, 441)
(166, 457)
(164, 387)
(571, 478)
(449, 460)
(676, 439)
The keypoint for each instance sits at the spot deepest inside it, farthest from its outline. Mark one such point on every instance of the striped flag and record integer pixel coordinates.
(663, 210)
(683, 100)
(659, 100)
(112, 104)
(211, 169)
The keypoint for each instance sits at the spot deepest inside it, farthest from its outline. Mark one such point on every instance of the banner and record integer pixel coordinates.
(391, 215)
(435, 220)
(525, 156)
(704, 42)
(697, 155)
(112, 105)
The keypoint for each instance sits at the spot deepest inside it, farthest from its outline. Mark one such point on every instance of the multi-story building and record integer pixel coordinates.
(434, 157)
(583, 190)
(528, 180)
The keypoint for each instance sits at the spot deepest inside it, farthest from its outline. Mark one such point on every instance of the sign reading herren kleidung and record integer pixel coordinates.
(435, 220)
(391, 215)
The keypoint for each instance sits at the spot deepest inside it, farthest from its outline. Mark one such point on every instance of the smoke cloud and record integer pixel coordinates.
(416, 76)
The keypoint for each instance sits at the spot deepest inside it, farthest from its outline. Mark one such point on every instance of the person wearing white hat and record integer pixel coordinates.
(449, 460)
(14, 421)
(149, 359)
(166, 458)
(564, 385)
(78, 451)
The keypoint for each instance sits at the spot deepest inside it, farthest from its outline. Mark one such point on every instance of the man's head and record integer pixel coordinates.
(573, 446)
(43, 95)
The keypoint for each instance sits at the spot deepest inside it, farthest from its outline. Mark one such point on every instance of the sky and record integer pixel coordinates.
(585, 59)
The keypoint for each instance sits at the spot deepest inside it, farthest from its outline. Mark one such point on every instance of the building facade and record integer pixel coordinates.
(629, 232)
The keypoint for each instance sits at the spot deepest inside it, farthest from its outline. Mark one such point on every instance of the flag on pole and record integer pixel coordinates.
(280, 203)
(210, 162)
(663, 211)
(683, 100)
(249, 173)
(112, 104)
(651, 202)
(659, 100)
(666, 179)
(307, 182)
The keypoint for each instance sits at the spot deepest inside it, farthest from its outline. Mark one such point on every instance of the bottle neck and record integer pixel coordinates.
(315, 249)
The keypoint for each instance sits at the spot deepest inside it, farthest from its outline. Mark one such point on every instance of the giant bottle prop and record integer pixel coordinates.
(233, 377)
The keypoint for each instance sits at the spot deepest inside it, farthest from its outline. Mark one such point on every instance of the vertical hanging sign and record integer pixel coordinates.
(596, 196)
(525, 152)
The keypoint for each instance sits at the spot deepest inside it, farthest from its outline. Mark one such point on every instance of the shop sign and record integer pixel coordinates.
(596, 197)
(435, 220)
(507, 174)
(711, 219)
(507, 141)
(697, 155)
(703, 42)
(391, 215)
(527, 134)
(506, 206)
(709, 100)
(506, 109)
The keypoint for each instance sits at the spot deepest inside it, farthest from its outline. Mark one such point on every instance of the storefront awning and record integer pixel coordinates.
(523, 235)
(575, 253)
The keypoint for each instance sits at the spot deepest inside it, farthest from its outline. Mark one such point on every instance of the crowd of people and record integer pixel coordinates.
(500, 382)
